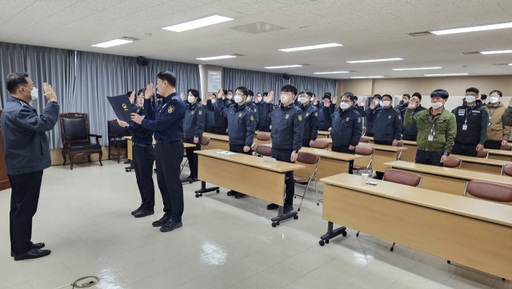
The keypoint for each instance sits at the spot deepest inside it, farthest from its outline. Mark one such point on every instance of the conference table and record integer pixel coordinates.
(217, 141)
(247, 174)
(331, 163)
(500, 155)
(447, 180)
(323, 134)
(491, 166)
(470, 232)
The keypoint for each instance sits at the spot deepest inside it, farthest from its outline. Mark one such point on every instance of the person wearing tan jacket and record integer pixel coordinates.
(497, 134)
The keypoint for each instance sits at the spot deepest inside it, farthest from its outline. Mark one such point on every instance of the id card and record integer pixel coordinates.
(464, 127)
(490, 123)
(430, 137)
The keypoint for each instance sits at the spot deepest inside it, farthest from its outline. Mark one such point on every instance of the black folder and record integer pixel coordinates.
(122, 106)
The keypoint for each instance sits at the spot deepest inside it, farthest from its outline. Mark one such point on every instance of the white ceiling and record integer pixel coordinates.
(366, 28)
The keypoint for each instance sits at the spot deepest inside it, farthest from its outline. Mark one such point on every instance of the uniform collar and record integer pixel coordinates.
(240, 107)
(21, 101)
(170, 97)
(286, 107)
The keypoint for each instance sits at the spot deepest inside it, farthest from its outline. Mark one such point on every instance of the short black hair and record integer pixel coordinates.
(408, 95)
(129, 93)
(243, 89)
(310, 94)
(497, 91)
(439, 93)
(347, 94)
(483, 96)
(265, 93)
(390, 97)
(377, 96)
(327, 94)
(353, 98)
(229, 91)
(224, 91)
(417, 94)
(289, 88)
(167, 76)
(258, 93)
(473, 89)
(141, 90)
(251, 93)
(194, 93)
(15, 80)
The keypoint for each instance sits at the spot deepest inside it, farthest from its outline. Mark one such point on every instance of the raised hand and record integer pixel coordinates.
(182, 96)
(204, 101)
(362, 102)
(149, 91)
(48, 92)
(335, 99)
(221, 93)
(373, 105)
(327, 102)
(412, 104)
(270, 97)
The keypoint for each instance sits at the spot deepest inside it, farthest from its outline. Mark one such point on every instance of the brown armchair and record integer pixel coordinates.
(76, 139)
(116, 134)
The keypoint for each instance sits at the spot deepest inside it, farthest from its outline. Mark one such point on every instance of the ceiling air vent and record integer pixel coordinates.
(423, 33)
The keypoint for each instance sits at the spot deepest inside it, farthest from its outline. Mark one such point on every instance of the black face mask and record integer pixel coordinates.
(159, 96)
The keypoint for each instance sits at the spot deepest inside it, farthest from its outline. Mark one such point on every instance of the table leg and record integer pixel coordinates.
(331, 233)
(281, 216)
(204, 189)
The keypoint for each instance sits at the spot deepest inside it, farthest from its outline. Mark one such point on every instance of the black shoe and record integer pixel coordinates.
(143, 213)
(171, 225)
(272, 206)
(161, 222)
(186, 180)
(36, 246)
(287, 209)
(127, 161)
(239, 195)
(32, 254)
(232, 193)
(137, 210)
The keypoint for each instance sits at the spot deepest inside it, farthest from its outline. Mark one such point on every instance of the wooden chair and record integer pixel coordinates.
(76, 138)
(483, 154)
(489, 191)
(506, 147)
(264, 151)
(320, 144)
(307, 159)
(364, 139)
(399, 144)
(400, 177)
(507, 169)
(453, 162)
(205, 142)
(116, 134)
(262, 137)
(364, 151)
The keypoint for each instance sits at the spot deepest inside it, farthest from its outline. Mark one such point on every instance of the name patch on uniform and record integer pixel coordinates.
(192, 112)
(252, 117)
(389, 116)
(240, 115)
(359, 119)
(399, 117)
(300, 117)
(287, 116)
(307, 114)
(255, 110)
(171, 109)
(348, 118)
(316, 113)
(200, 112)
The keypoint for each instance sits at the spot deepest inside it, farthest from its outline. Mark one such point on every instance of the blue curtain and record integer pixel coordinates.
(83, 80)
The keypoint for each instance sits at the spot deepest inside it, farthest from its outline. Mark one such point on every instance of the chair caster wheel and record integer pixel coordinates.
(198, 195)
(391, 249)
(357, 235)
(296, 217)
(448, 261)
(298, 210)
(274, 224)
(217, 191)
(344, 233)
(321, 243)
(327, 241)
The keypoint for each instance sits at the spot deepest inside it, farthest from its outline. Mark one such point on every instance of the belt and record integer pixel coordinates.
(166, 141)
(140, 145)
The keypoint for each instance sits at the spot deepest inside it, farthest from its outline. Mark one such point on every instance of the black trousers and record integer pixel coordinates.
(464, 150)
(429, 158)
(192, 157)
(380, 175)
(492, 144)
(24, 199)
(284, 155)
(411, 137)
(219, 130)
(305, 143)
(210, 129)
(168, 160)
(345, 150)
(143, 158)
(264, 128)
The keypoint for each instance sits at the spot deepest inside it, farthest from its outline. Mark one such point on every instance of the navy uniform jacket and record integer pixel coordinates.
(24, 141)
(410, 130)
(220, 121)
(254, 107)
(324, 116)
(209, 117)
(387, 124)
(310, 121)
(346, 127)
(167, 119)
(262, 121)
(140, 134)
(241, 122)
(193, 125)
(287, 126)
(360, 109)
(369, 124)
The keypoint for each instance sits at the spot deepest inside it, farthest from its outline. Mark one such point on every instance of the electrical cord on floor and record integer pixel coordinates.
(83, 285)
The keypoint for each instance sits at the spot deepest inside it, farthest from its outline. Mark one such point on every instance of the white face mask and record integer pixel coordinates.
(344, 105)
(230, 96)
(377, 102)
(265, 98)
(191, 98)
(213, 101)
(34, 93)
(303, 100)
(494, 99)
(285, 99)
(470, 98)
(312, 99)
(238, 98)
(436, 105)
(386, 103)
(248, 99)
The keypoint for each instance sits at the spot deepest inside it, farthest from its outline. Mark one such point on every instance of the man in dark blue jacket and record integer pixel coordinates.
(310, 116)
(253, 106)
(410, 132)
(377, 98)
(221, 123)
(387, 124)
(193, 128)
(263, 123)
(324, 118)
(241, 125)
(209, 117)
(287, 122)
(27, 154)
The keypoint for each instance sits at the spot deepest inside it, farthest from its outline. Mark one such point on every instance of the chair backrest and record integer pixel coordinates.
(320, 144)
(115, 129)
(308, 158)
(74, 126)
(364, 139)
(506, 147)
(263, 136)
(364, 150)
(490, 191)
(402, 177)
(205, 141)
(452, 162)
(483, 154)
(507, 169)
(264, 150)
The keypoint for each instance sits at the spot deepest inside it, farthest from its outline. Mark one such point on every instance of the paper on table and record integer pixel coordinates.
(226, 153)
(269, 160)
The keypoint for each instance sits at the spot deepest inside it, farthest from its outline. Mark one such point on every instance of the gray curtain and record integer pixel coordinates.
(83, 80)
(258, 81)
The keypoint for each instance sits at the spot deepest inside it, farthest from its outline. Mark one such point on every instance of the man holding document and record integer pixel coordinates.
(167, 123)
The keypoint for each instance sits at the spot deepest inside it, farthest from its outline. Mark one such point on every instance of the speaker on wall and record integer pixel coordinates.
(286, 76)
(141, 61)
